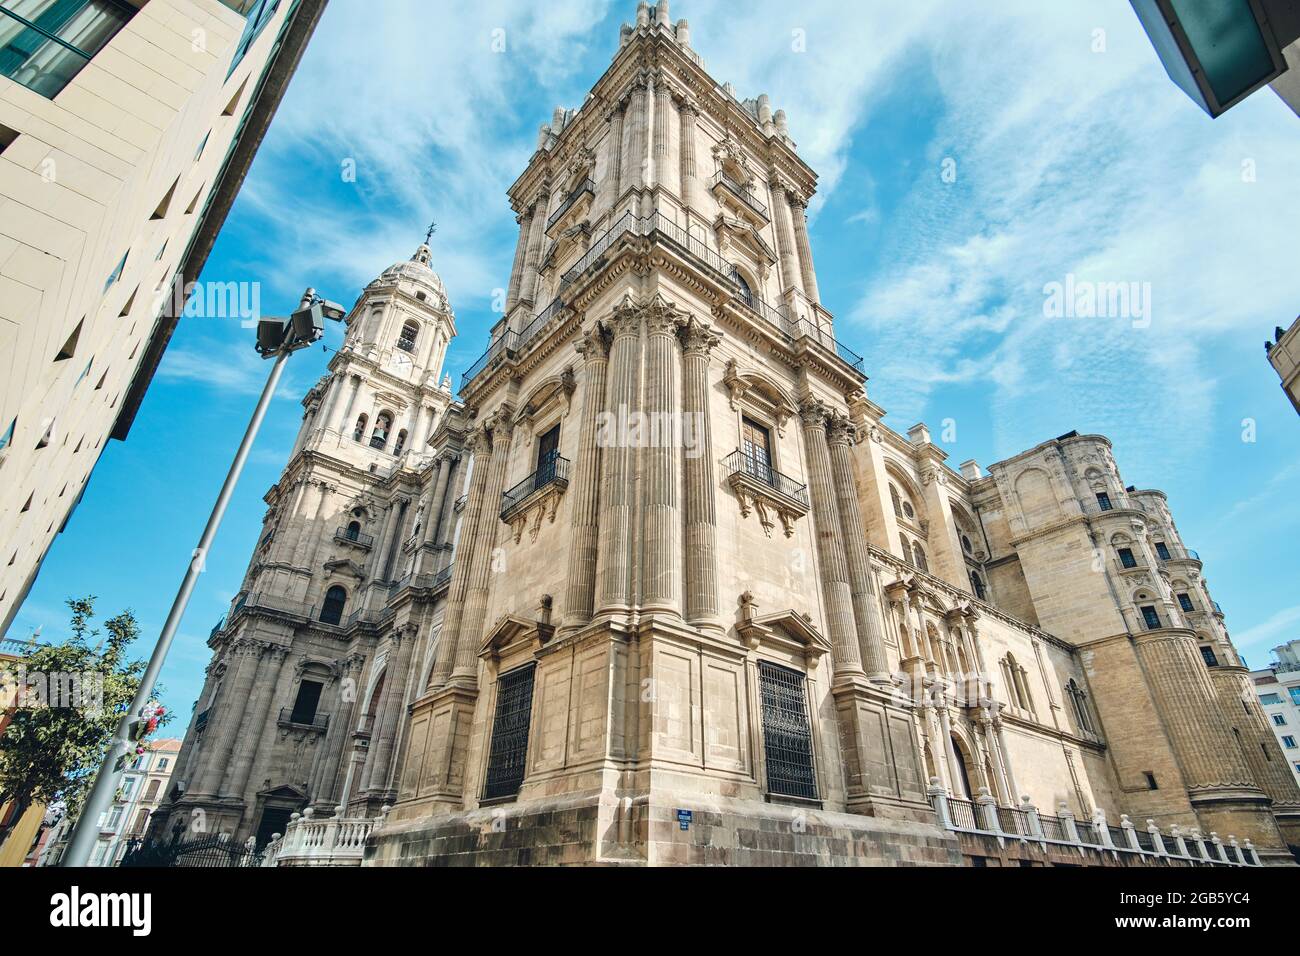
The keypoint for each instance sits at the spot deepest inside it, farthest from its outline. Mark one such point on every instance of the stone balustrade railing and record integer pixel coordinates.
(335, 841)
(1026, 824)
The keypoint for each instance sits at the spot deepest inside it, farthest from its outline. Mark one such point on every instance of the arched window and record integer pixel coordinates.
(1079, 700)
(966, 545)
(918, 553)
(907, 549)
(359, 433)
(410, 334)
(897, 501)
(379, 437)
(746, 293)
(331, 611)
(401, 442)
(977, 585)
(354, 530)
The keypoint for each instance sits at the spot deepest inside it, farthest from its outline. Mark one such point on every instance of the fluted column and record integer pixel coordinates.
(614, 171)
(480, 570)
(311, 525)
(950, 752)
(532, 258)
(481, 449)
(447, 504)
(383, 738)
(619, 461)
(525, 220)
(661, 563)
(580, 600)
(665, 170)
(688, 112)
(1005, 755)
(799, 213)
(698, 341)
(343, 423)
(785, 240)
(874, 661)
(836, 589)
(433, 513)
(230, 717)
(635, 130)
(259, 710)
(379, 556)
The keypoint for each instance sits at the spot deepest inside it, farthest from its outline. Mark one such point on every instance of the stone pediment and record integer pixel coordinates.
(789, 630)
(510, 631)
(346, 566)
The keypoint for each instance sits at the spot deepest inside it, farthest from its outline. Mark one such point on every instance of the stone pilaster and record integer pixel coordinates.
(533, 257)
(485, 534)
(785, 240)
(383, 738)
(579, 604)
(618, 466)
(689, 113)
(525, 221)
(698, 341)
(433, 511)
(665, 170)
(481, 450)
(634, 166)
(229, 710)
(259, 709)
(866, 604)
(661, 562)
(799, 213)
(836, 590)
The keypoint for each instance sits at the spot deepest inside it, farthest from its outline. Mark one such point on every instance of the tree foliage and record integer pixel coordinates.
(67, 702)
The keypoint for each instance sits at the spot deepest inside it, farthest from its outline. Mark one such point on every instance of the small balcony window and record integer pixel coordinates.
(1185, 602)
(1126, 558)
(1103, 501)
(1162, 551)
(1210, 659)
(1150, 618)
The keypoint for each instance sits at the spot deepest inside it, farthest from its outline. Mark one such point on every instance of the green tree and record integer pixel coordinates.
(69, 699)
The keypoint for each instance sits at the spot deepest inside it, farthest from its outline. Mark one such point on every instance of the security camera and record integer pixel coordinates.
(270, 337)
(308, 325)
(333, 311)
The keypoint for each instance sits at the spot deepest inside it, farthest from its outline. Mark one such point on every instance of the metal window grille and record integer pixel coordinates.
(787, 737)
(505, 772)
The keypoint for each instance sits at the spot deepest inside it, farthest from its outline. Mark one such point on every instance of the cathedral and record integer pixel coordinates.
(656, 584)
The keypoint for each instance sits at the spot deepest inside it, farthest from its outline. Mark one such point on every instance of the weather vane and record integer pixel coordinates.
(433, 227)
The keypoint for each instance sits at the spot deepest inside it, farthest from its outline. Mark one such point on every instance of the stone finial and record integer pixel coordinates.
(661, 13)
(971, 470)
(764, 109)
(642, 14)
(779, 119)
(543, 134)
(683, 33)
(624, 35)
(919, 434)
(748, 606)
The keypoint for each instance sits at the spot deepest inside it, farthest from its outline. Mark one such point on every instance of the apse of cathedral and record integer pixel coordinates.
(655, 583)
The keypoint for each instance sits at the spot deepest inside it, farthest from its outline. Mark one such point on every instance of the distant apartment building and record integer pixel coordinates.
(144, 784)
(19, 825)
(1284, 356)
(1278, 686)
(126, 130)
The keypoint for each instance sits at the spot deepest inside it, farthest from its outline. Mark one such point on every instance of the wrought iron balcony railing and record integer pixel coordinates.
(738, 463)
(587, 186)
(406, 345)
(355, 537)
(315, 721)
(552, 471)
(740, 192)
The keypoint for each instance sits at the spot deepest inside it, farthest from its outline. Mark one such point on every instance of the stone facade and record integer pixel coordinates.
(1284, 356)
(113, 185)
(705, 607)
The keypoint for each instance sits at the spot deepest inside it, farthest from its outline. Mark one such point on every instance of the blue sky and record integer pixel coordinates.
(1074, 155)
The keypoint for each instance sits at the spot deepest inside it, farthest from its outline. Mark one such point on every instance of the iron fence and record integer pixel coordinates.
(587, 186)
(1053, 827)
(740, 463)
(740, 192)
(551, 471)
(963, 814)
(214, 852)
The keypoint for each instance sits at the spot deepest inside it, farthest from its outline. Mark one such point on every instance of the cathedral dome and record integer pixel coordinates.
(417, 270)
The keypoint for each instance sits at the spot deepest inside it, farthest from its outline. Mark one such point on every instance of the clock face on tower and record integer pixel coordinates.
(401, 363)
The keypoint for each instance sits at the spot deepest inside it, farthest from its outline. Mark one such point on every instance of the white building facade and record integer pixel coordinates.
(1278, 687)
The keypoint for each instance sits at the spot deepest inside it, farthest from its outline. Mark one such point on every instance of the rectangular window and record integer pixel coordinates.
(305, 704)
(1288, 743)
(45, 43)
(116, 273)
(1185, 603)
(1295, 695)
(259, 13)
(1162, 551)
(1208, 654)
(508, 755)
(1150, 618)
(1279, 720)
(1126, 558)
(1103, 501)
(756, 445)
(548, 450)
(787, 737)
(1270, 699)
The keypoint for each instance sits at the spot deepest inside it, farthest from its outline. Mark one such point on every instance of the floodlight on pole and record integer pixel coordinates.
(277, 339)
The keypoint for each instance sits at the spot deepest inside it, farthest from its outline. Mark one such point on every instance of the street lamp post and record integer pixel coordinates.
(277, 339)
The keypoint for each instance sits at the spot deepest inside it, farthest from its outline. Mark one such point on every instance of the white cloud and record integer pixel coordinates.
(1278, 629)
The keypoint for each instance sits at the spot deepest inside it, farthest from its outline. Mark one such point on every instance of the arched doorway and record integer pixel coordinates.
(963, 769)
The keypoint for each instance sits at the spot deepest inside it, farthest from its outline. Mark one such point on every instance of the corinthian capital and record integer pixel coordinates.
(841, 431)
(663, 317)
(626, 317)
(698, 338)
(593, 344)
(812, 412)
